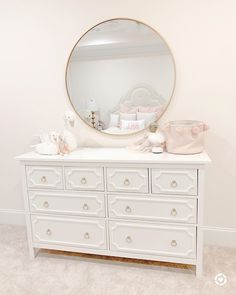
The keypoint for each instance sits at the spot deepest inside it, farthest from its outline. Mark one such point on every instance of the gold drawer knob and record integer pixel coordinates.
(173, 243)
(173, 212)
(86, 236)
(85, 207)
(49, 232)
(43, 179)
(83, 180)
(128, 239)
(45, 204)
(128, 209)
(174, 184)
(126, 182)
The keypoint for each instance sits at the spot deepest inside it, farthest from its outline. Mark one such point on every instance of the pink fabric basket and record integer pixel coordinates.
(185, 137)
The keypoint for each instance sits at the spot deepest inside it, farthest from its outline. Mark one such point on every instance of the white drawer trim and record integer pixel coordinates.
(172, 202)
(97, 185)
(99, 223)
(114, 225)
(157, 186)
(141, 187)
(57, 171)
(99, 198)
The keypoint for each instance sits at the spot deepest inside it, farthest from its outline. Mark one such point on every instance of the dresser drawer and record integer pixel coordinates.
(44, 177)
(151, 239)
(84, 178)
(173, 181)
(127, 180)
(163, 209)
(69, 231)
(83, 204)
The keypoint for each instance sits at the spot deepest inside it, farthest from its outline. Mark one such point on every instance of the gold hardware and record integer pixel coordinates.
(48, 232)
(173, 243)
(174, 184)
(45, 204)
(83, 180)
(126, 182)
(86, 236)
(128, 239)
(173, 212)
(85, 207)
(43, 179)
(128, 209)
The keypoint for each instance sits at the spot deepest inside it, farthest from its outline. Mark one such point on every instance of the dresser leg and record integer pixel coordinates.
(199, 265)
(199, 269)
(33, 252)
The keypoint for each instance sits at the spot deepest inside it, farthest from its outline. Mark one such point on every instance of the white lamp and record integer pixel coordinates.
(92, 106)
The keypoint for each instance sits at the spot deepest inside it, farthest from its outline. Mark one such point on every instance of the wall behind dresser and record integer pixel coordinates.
(36, 38)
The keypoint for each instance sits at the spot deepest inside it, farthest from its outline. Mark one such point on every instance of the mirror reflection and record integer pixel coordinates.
(120, 76)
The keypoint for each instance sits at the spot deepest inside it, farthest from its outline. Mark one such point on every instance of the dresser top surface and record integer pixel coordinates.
(116, 155)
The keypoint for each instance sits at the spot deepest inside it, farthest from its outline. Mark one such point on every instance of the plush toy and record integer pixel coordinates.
(63, 147)
(157, 140)
(153, 141)
(48, 145)
(53, 143)
(67, 137)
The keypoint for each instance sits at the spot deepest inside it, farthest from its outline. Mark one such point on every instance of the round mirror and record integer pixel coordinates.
(120, 76)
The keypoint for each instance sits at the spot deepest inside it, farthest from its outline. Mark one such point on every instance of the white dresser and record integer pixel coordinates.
(116, 202)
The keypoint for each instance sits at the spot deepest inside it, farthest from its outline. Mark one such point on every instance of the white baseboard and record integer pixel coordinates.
(220, 236)
(217, 236)
(12, 216)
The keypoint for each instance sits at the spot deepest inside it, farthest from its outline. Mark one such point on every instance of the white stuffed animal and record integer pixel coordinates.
(68, 136)
(49, 144)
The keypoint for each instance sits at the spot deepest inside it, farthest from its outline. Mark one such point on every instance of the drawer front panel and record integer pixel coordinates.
(71, 232)
(173, 181)
(127, 180)
(67, 203)
(84, 178)
(150, 239)
(163, 209)
(44, 177)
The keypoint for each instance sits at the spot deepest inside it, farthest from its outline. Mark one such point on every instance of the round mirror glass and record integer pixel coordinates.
(120, 76)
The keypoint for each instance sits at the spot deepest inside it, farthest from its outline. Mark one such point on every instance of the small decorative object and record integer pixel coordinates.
(92, 106)
(68, 141)
(100, 125)
(48, 145)
(185, 136)
(63, 147)
(54, 143)
(153, 141)
(157, 139)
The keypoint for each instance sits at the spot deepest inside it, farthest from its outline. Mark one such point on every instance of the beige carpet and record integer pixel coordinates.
(61, 274)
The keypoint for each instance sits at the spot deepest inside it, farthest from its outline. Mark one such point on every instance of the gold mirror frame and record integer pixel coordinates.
(174, 84)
